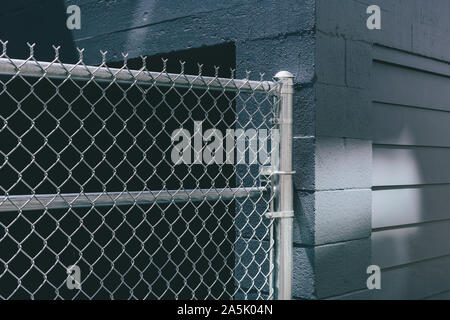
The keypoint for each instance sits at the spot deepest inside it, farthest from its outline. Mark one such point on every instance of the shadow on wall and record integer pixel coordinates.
(408, 209)
(144, 27)
(40, 22)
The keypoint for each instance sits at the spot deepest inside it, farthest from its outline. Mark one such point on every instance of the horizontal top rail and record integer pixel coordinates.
(82, 72)
(94, 199)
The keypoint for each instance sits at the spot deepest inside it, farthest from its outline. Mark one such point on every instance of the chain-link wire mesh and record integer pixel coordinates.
(149, 182)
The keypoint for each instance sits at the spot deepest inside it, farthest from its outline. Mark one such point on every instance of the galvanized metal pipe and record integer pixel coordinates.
(83, 72)
(285, 200)
(101, 199)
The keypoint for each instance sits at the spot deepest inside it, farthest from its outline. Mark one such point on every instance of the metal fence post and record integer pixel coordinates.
(284, 205)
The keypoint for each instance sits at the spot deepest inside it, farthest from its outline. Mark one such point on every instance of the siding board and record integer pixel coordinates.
(412, 282)
(399, 85)
(395, 207)
(410, 244)
(405, 59)
(440, 296)
(403, 125)
(397, 165)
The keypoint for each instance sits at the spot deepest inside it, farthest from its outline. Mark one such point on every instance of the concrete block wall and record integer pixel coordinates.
(333, 161)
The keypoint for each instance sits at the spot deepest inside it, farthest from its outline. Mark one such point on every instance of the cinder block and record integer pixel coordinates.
(304, 163)
(268, 18)
(343, 163)
(343, 18)
(303, 282)
(304, 112)
(330, 58)
(342, 215)
(304, 229)
(358, 62)
(343, 112)
(293, 53)
(332, 216)
(330, 270)
(326, 163)
(341, 268)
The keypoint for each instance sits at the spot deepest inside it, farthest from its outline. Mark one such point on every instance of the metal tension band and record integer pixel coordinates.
(280, 214)
(283, 173)
(268, 172)
(279, 121)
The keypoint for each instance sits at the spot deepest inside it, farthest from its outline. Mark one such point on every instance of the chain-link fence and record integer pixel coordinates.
(150, 183)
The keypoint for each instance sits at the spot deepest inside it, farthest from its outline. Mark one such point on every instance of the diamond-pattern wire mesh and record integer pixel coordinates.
(87, 179)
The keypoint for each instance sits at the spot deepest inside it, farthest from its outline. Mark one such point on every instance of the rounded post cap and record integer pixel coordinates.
(284, 75)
